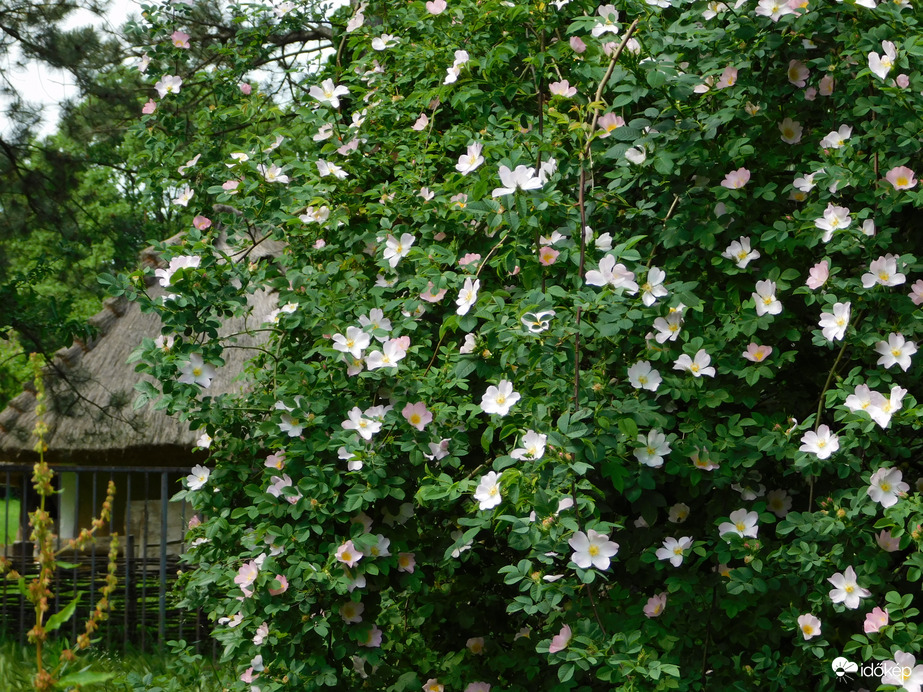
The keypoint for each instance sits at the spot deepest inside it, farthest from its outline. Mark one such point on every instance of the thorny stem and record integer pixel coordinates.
(581, 202)
(605, 79)
(820, 408)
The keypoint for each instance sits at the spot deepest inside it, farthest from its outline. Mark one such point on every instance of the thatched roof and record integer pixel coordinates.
(91, 389)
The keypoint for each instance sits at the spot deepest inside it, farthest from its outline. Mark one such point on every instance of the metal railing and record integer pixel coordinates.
(150, 531)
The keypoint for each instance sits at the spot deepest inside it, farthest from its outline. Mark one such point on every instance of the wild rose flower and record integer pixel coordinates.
(348, 555)
(837, 139)
(655, 605)
(809, 626)
(668, 328)
(612, 274)
(487, 492)
(282, 588)
(778, 502)
(835, 218)
(168, 84)
(736, 179)
(886, 486)
(887, 542)
(246, 575)
(547, 256)
(562, 88)
(727, 79)
(655, 448)
(825, 86)
(818, 275)
(699, 366)
(883, 271)
(393, 351)
(417, 415)
(577, 44)
(198, 477)
(674, 550)
(421, 123)
(395, 249)
(742, 523)
(834, 324)
(846, 589)
(197, 371)
(791, 130)
(903, 671)
(537, 322)
(521, 178)
(764, 299)
(273, 174)
(881, 65)
(384, 42)
(325, 168)
(822, 443)
(609, 123)
(756, 353)
(499, 399)
(740, 253)
(916, 292)
(560, 641)
(895, 351)
(875, 620)
(609, 17)
(592, 549)
(149, 107)
(180, 39)
(774, 9)
(901, 178)
(372, 638)
(467, 296)
(328, 93)
(533, 446)
(436, 7)
(797, 73)
(642, 375)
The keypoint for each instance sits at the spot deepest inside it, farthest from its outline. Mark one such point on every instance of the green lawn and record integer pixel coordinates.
(171, 672)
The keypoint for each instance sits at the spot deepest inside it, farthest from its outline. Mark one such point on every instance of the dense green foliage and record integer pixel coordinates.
(448, 517)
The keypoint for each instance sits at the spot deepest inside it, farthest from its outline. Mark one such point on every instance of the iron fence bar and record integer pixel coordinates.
(93, 505)
(6, 541)
(111, 595)
(76, 531)
(23, 524)
(128, 560)
(161, 627)
(143, 628)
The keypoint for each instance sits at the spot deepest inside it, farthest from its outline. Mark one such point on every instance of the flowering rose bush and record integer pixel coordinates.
(557, 278)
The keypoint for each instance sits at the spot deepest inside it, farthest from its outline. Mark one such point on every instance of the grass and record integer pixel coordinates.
(175, 671)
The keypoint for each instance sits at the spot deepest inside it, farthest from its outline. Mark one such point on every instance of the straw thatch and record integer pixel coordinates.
(91, 388)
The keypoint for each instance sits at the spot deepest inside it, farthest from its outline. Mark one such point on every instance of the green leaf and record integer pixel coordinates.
(63, 615)
(84, 677)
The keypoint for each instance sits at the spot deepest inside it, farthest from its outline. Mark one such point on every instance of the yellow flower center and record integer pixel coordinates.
(593, 550)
